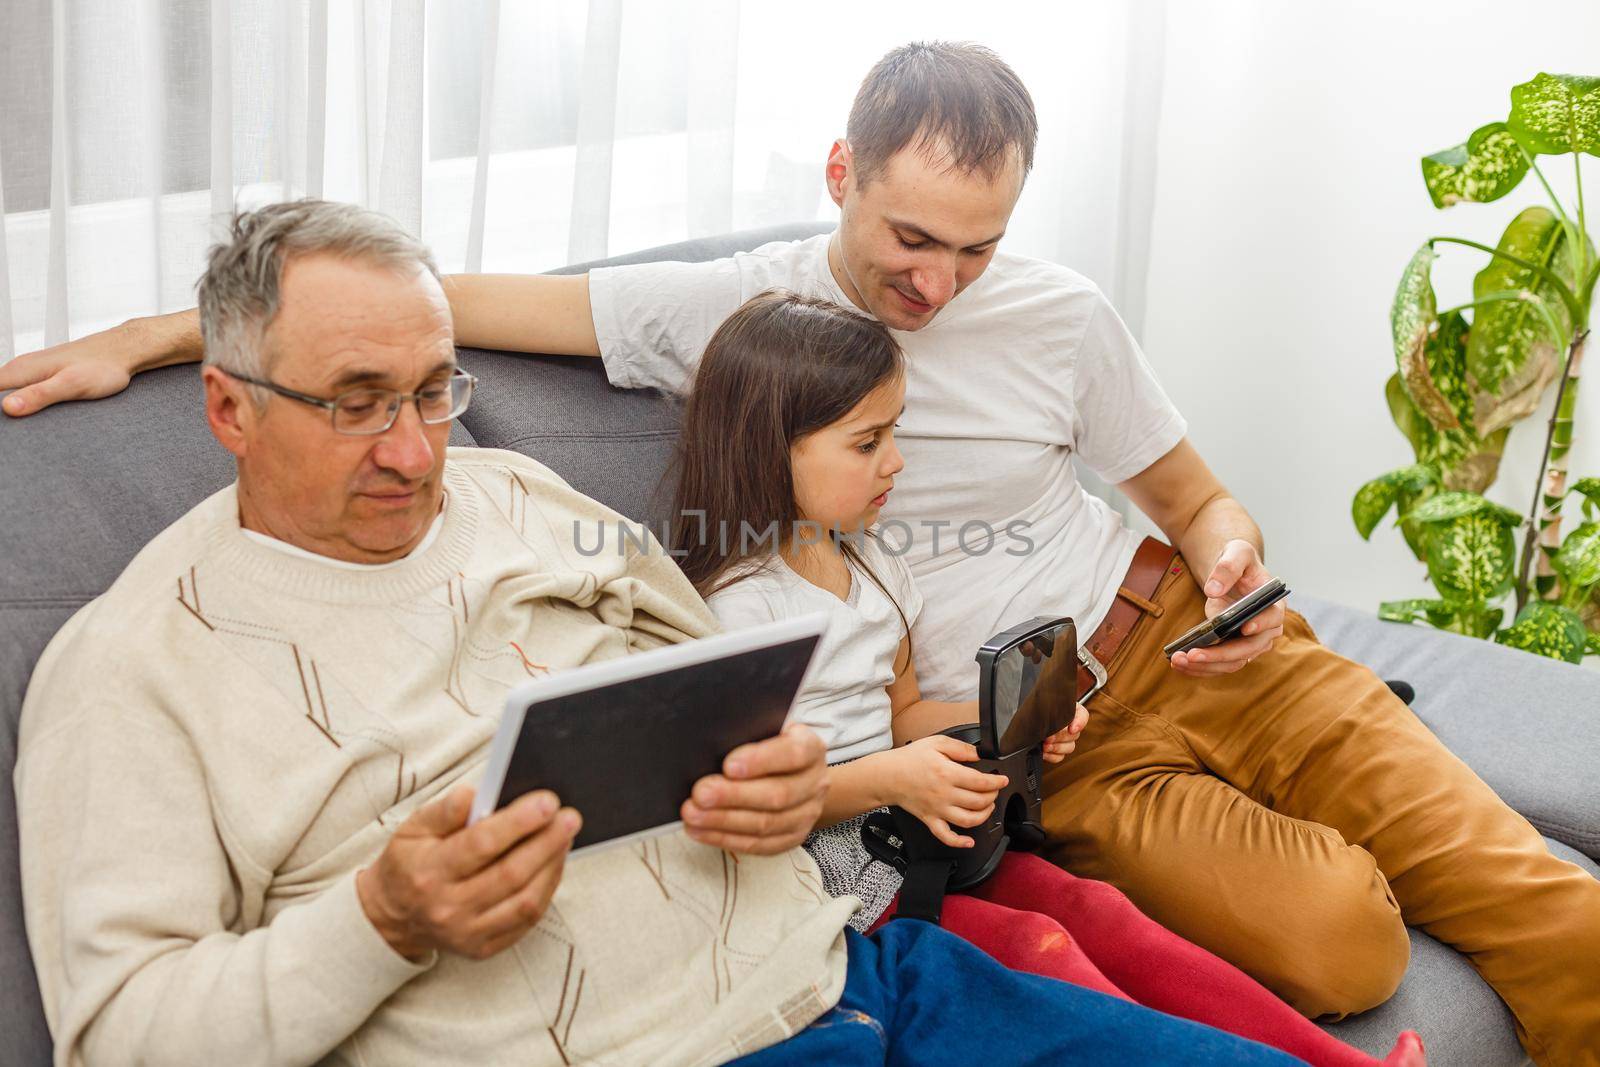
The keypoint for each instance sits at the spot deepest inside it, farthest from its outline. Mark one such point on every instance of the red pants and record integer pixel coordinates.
(1033, 916)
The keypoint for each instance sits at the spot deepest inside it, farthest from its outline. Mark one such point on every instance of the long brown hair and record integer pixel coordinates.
(780, 367)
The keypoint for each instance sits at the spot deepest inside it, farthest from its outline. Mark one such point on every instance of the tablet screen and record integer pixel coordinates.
(626, 752)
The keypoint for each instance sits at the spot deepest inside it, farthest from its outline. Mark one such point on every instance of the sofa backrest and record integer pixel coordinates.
(84, 486)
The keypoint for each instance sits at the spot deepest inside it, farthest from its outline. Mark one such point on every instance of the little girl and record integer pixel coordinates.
(787, 456)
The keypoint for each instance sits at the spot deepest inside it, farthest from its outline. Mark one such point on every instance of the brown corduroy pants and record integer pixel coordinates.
(1292, 817)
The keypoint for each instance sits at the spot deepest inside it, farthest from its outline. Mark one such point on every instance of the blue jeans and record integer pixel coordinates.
(917, 995)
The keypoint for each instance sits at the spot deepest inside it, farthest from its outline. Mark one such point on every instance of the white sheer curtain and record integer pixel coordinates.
(511, 135)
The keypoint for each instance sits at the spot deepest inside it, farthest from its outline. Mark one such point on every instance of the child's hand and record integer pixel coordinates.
(1058, 746)
(929, 781)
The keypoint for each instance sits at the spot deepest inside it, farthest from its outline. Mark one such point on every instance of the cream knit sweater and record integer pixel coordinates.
(211, 750)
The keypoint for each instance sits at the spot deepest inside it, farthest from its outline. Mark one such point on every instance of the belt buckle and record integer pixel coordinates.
(1094, 667)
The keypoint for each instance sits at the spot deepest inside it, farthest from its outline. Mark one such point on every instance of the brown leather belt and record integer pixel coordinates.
(1135, 600)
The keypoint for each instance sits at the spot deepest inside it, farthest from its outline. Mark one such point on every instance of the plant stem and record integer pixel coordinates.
(1544, 516)
(1583, 227)
(1524, 295)
(1574, 233)
(1548, 275)
(1555, 201)
(1486, 298)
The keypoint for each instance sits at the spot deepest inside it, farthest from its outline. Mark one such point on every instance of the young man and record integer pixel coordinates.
(244, 771)
(1283, 810)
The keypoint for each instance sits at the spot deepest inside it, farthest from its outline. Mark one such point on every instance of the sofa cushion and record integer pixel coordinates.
(1529, 726)
(1460, 1018)
(614, 445)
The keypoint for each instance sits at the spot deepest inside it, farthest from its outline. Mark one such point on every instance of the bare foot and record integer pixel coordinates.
(1407, 1052)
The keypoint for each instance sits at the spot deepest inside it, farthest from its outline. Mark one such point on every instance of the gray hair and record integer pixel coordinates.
(239, 294)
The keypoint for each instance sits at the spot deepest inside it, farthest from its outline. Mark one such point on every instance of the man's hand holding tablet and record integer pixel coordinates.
(440, 884)
(688, 735)
(473, 874)
(474, 890)
(767, 798)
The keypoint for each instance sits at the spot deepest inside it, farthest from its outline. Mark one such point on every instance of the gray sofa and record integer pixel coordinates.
(84, 486)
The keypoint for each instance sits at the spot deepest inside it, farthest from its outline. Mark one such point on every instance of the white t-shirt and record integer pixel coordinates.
(844, 697)
(1026, 368)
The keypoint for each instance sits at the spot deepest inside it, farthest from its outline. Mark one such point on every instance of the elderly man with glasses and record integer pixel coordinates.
(244, 772)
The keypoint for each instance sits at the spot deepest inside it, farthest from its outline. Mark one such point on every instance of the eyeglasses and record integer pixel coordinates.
(361, 412)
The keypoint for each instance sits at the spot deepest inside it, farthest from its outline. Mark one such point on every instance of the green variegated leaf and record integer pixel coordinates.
(1557, 113)
(1449, 506)
(1464, 461)
(1547, 629)
(1578, 559)
(1512, 353)
(1411, 322)
(1589, 488)
(1475, 471)
(1434, 611)
(1373, 500)
(1486, 168)
(1471, 558)
(1415, 534)
(1589, 612)
(1482, 623)
(1410, 421)
(1446, 353)
(1476, 620)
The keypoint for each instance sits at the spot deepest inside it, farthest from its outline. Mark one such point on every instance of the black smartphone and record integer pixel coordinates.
(1230, 620)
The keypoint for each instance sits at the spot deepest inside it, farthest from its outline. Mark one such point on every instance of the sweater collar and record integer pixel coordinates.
(313, 578)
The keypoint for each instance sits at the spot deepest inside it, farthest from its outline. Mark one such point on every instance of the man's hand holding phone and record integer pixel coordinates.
(1238, 572)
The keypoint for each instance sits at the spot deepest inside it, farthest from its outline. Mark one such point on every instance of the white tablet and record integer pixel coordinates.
(624, 740)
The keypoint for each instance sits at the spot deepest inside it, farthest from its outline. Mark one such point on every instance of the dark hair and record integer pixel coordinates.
(943, 97)
(780, 367)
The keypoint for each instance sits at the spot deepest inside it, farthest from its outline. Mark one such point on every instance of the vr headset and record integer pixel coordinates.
(1027, 690)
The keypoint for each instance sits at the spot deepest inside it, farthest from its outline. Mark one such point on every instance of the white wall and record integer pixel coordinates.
(1288, 200)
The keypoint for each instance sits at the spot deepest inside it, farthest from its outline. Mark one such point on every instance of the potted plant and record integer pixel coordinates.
(1468, 373)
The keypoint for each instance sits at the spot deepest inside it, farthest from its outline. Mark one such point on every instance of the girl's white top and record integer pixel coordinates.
(844, 696)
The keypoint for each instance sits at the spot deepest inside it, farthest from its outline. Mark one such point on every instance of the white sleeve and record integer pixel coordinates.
(742, 605)
(1122, 418)
(653, 319)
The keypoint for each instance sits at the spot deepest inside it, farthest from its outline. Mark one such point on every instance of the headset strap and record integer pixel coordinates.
(922, 894)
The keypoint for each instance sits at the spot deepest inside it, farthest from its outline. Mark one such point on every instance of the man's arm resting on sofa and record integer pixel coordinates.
(512, 312)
